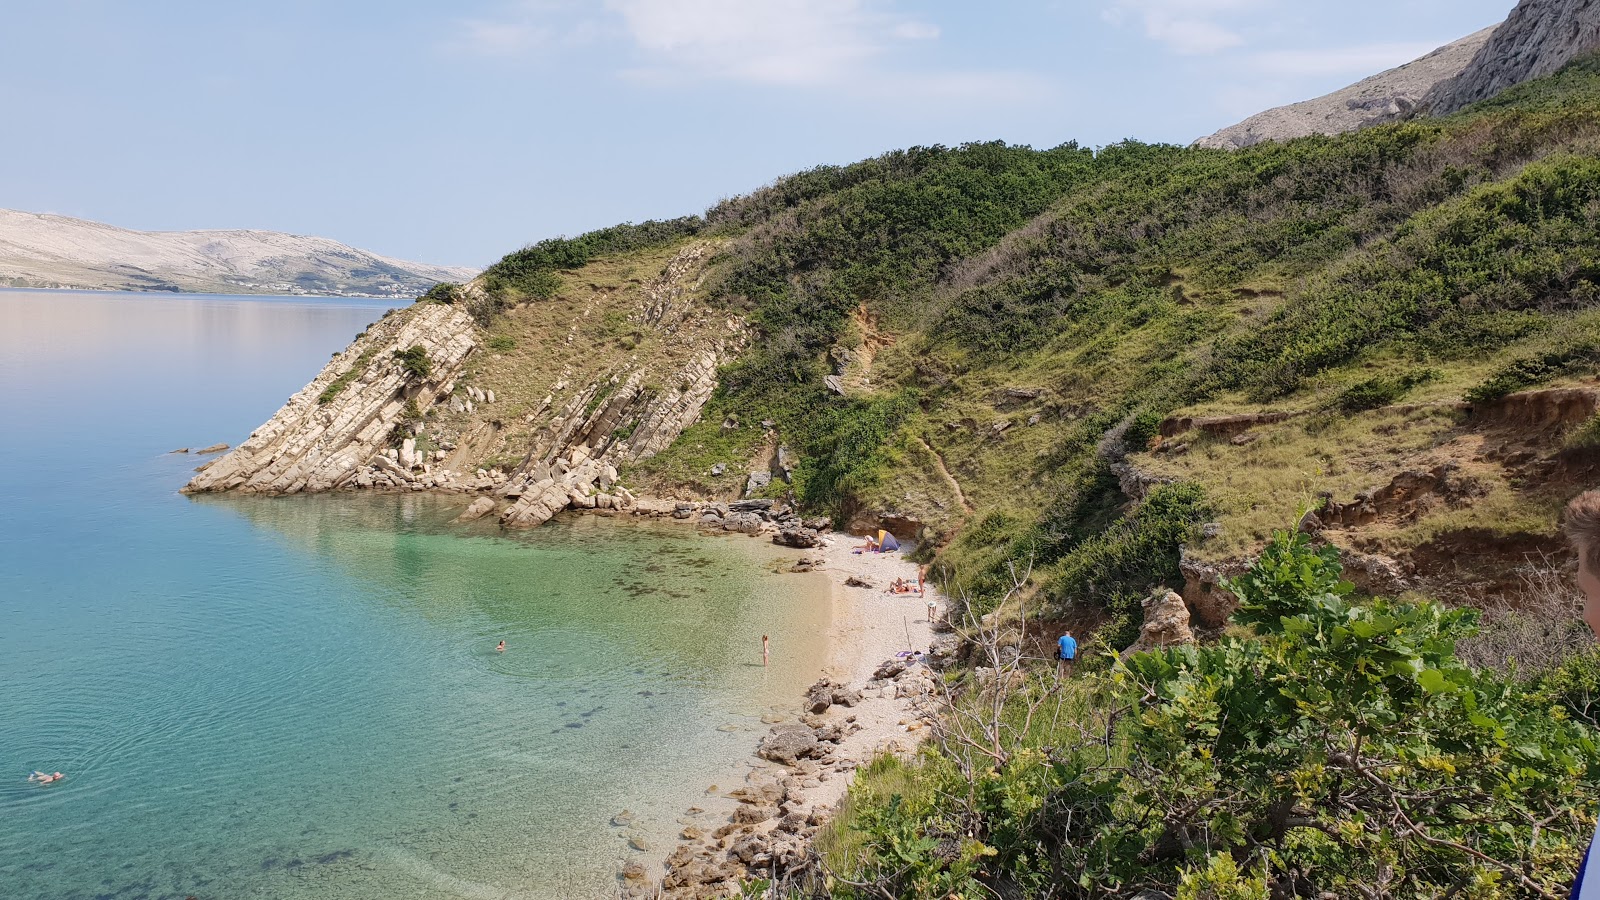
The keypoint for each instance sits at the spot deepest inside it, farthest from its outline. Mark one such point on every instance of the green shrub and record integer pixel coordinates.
(1585, 436)
(531, 273)
(841, 450)
(1116, 568)
(501, 343)
(1533, 370)
(1381, 391)
(1142, 432)
(445, 292)
(414, 360)
(1575, 684)
(337, 386)
(1329, 748)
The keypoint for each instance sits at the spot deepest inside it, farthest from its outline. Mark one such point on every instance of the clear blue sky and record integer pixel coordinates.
(455, 132)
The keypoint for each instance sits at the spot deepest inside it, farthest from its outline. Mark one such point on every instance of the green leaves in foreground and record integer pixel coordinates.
(1339, 749)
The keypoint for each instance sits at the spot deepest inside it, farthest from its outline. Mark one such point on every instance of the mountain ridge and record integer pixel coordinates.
(1536, 39)
(43, 250)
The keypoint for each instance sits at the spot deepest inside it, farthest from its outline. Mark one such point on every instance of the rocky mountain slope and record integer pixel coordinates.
(41, 250)
(1536, 39)
(1381, 98)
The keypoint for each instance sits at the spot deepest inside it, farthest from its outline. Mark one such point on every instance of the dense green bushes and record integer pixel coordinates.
(530, 273)
(1581, 353)
(840, 448)
(1341, 749)
(1381, 391)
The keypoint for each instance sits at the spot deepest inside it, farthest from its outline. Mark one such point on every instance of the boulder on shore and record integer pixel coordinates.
(803, 538)
(787, 744)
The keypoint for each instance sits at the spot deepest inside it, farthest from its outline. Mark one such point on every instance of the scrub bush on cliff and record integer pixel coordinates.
(1343, 748)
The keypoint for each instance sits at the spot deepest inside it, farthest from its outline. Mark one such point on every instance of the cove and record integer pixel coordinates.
(299, 697)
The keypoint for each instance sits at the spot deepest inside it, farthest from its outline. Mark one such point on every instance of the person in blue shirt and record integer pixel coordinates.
(1066, 654)
(1582, 524)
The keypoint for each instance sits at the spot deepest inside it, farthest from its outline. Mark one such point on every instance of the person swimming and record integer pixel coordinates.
(42, 778)
(501, 648)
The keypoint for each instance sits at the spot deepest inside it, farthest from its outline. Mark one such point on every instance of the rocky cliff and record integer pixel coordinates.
(348, 414)
(535, 412)
(1381, 98)
(1537, 39)
(39, 250)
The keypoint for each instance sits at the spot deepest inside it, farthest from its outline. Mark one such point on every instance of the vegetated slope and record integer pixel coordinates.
(40, 250)
(1004, 347)
(1371, 101)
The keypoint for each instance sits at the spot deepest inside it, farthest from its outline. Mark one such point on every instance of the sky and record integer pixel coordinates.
(455, 132)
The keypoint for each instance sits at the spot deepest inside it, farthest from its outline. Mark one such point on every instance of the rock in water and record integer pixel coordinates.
(479, 508)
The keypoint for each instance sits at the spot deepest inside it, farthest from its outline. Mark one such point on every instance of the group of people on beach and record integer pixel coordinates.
(902, 586)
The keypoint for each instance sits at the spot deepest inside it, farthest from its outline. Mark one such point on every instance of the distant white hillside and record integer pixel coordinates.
(1384, 97)
(41, 250)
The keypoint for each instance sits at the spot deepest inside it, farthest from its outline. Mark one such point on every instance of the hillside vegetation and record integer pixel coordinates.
(993, 313)
(1114, 369)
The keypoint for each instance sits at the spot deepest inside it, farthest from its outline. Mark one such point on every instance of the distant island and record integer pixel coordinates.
(40, 250)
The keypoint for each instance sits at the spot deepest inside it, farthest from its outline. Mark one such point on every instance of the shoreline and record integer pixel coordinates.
(759, 818)
(867, 701)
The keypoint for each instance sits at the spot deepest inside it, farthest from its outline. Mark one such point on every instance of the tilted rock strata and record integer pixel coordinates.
(313, 446)
(573, 445)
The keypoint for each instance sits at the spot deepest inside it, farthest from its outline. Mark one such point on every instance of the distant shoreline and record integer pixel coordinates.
(392, 300)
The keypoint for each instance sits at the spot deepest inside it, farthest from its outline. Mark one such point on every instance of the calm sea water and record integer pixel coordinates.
(299, 697)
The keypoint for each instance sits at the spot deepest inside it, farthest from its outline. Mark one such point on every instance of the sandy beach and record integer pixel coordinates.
(806, 762)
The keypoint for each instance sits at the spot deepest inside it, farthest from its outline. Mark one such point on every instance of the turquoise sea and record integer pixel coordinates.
(299, 697)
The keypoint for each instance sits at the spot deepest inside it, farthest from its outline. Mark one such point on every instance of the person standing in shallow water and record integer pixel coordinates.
(1582, 524)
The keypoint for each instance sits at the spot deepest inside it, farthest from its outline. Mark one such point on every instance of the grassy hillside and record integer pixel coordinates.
(1001, 325)
(1089, 365)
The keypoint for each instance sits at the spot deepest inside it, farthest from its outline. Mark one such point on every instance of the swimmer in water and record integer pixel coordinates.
(42, 778)
(501, 648)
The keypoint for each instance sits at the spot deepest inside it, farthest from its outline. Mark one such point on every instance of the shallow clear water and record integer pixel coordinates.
(299, 697)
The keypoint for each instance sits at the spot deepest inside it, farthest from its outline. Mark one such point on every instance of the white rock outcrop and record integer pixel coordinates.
(311, 445)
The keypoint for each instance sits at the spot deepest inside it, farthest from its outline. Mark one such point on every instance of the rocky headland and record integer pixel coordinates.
(401, 408)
